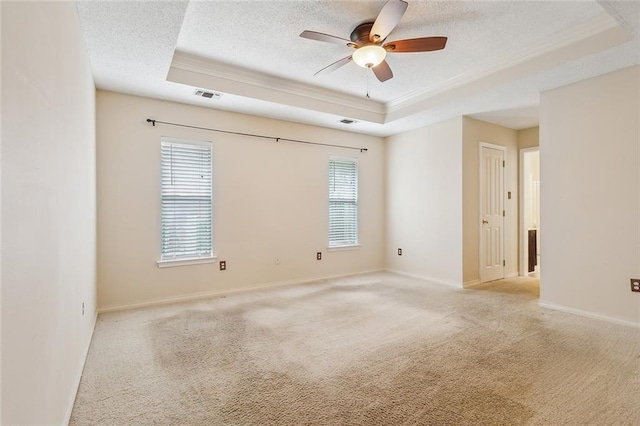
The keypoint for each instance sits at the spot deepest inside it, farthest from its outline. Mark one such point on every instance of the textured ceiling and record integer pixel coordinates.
(499, 56)
(264, 36)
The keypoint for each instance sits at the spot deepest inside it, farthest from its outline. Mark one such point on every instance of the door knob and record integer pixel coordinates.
(485, 221)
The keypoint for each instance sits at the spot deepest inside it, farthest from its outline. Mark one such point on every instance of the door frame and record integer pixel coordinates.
(480, 180)
(523, 237)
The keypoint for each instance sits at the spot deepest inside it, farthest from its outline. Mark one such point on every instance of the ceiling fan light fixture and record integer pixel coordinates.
(369, 56)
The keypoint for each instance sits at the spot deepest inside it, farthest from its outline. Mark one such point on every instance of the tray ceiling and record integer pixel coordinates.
(498, 57)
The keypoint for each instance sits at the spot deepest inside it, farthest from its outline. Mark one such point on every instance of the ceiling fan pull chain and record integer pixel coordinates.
(369, 71)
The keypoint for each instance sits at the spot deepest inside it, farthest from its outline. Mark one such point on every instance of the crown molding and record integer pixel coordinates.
(597, 25)
(275, 86)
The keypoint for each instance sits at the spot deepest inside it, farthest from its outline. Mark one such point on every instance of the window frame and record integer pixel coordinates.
(350, 246)
(183, 261)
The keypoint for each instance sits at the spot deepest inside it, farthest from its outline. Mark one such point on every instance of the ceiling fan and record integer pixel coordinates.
(368, 39)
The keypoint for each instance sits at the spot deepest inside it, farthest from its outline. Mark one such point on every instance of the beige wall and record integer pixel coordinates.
(529, 138)
(534, 161)
(48, 210)
(531, 173)
(475, 132)
(432, 205)
(589, 155)
(270, 201)
(1, 136)
(424, 202)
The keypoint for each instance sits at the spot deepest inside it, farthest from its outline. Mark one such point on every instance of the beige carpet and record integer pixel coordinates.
(369, 350)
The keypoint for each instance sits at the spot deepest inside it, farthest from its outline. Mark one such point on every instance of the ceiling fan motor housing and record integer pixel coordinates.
(360, 35)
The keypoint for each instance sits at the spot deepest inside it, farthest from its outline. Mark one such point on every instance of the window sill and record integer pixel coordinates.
(185, 262)
(343, 248)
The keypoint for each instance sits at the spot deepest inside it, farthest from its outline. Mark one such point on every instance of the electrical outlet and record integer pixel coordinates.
(635, 285)
(319, 255)
(399, 252)
(223, 265)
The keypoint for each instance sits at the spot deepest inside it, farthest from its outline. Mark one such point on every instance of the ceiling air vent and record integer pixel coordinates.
(206, 94)
(347, 121)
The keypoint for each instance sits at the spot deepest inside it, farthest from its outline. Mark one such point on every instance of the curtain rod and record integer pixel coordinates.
(153, 123)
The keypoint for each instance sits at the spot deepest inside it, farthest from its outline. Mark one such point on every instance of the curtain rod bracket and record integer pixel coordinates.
(153, 122)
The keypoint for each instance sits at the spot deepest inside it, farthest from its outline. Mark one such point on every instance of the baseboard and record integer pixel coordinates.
(79, 374)
(218, 293)
(453, 284)
(587, 314)
(471, 283)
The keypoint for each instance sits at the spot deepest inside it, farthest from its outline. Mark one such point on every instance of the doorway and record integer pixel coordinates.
(530, 212)
(492, 212)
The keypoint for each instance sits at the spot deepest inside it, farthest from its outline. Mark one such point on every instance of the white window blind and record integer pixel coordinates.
(186, 200)
(343, 202)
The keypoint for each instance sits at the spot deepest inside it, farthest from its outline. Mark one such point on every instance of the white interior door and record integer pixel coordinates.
(492, 214)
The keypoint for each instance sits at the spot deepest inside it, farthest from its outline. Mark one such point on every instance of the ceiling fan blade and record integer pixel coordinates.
(423, 44)
(387, 19)
(383, 71)
(314, 35)
(334, 66)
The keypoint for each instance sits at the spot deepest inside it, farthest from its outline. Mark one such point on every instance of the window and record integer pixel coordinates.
(186, 200)
(343, 202)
